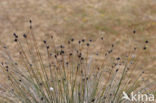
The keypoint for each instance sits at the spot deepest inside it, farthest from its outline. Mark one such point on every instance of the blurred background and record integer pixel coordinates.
(114, 20)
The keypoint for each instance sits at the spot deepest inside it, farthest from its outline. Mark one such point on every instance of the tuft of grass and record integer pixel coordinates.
(66, 73)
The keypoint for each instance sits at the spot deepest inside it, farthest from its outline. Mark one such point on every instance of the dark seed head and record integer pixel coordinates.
(8, 77)
(44, 41)
(64, 79)
(83, 40)
(41, 98)
(104, 97)
(40, 84)
(77, 51)
(62, 52)
(30, 27)
(134, 31)
(92, 100)
(30, 65)
(30, 21)
(112, 45)
(68, 42)
(20, 52)
(118, 58)
(72, 39)
(87, 78)
(12, 89)
(144, 48)
(79, 42)
(79, 56)
(87, 44)
(135, 48)
(110, 51)
(47, 47)
(70, 54)
(101, 38)
(4, 47)
(24, 35)
(82, 58)
(15, 40)
(30, 24)
(15, 35)
(56, 56)
(61, 46)
(51, 37)
(146, 41)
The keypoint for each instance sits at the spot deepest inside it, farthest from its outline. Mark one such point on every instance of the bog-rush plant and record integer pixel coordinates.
(66, 73)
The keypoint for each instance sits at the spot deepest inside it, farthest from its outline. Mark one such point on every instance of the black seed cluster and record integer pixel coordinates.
(47, 47)
(61, 46)
(88, 44)
(16, 37)
(41, 98)
(30, 21)
(72, 39)
(134, 31)
(24, 35)
(101, 38)
(61, 52)
(44, 41)
(146, 41)
(117, 58)
(70, 54)
(79, 42)
(83, 40)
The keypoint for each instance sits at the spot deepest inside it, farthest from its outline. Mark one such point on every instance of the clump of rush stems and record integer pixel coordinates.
(68, 72)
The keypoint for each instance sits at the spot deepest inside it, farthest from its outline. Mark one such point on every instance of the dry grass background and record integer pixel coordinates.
(114, 20)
